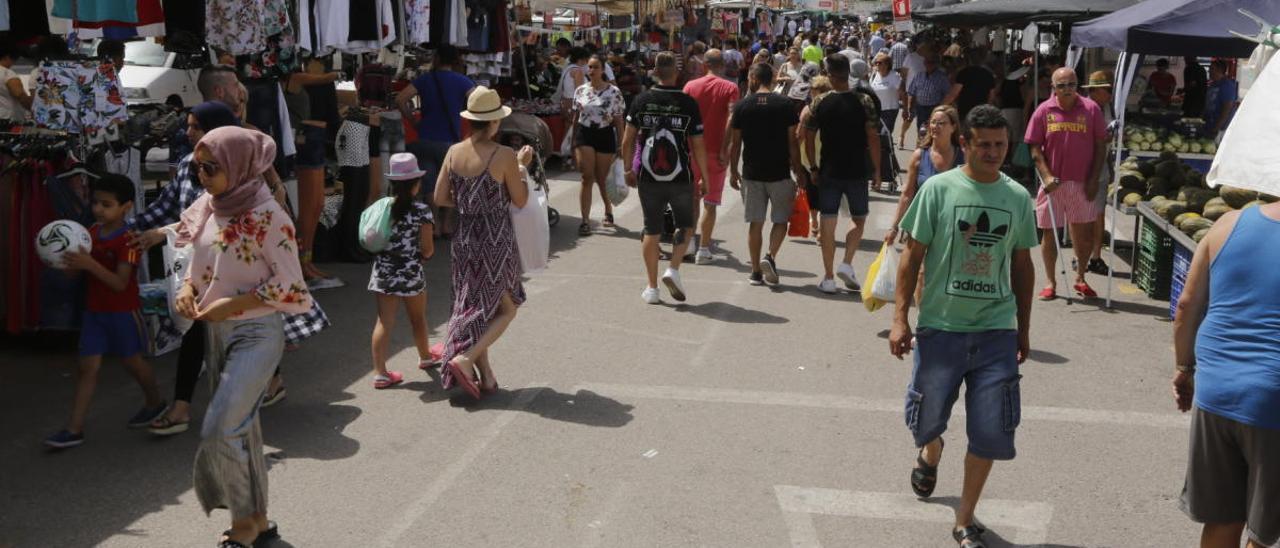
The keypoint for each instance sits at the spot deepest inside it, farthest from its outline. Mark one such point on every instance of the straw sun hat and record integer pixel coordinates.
(485, 105)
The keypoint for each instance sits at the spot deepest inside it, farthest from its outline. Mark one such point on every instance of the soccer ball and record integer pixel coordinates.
(60, 237)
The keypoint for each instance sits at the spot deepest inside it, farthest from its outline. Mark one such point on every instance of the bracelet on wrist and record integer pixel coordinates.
(1185, 368)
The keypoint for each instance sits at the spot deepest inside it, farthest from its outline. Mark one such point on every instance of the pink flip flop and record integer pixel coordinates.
(464, 380)
(392, 378)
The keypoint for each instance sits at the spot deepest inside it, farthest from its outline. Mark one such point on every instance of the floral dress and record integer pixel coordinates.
(397, 270)
(486, 264)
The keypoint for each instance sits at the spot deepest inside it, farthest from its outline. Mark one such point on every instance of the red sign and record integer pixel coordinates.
(901, 10)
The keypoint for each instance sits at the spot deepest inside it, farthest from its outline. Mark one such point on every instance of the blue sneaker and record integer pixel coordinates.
(144, 416)
(63, 440)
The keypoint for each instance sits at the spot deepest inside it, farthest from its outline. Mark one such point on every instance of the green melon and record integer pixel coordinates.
(1185, 217)
(1170, 209)
(1237, 197)
(1132, 199)
(1216, 211)
(1192, 226)
(1200, 234)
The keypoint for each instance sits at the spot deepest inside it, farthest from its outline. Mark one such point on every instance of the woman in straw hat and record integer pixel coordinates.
(481, 179)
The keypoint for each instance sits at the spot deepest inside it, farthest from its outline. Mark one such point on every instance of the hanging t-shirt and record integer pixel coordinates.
(10, 109)
(666, 118)
(972, 230)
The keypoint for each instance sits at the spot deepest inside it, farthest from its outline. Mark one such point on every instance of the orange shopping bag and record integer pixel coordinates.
(798, 226)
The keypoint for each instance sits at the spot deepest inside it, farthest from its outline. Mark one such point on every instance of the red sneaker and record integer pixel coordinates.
(1084, 291)
(1048, 294)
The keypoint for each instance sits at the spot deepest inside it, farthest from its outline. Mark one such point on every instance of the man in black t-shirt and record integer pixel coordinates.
(669, 126)
(765, 124)
(974, 85)
(849, 124)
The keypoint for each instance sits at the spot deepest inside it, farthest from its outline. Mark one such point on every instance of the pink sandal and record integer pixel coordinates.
(464, 380)
(392, 378)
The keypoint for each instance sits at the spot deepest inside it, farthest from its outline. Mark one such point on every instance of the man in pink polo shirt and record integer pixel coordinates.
(1067, 135)
(715, 96)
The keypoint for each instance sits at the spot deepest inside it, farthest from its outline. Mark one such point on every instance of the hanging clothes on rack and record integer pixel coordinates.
(183, 21)
(77, 96)
(28, 20)
(146, 18)
(417, 15)
(351, 27)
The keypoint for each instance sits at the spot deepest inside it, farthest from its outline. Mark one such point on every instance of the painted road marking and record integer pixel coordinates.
(854, 403)
(799, 504)
(417, 509)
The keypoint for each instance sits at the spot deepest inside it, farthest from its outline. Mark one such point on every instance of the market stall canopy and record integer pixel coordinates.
(1178, 27)
(608, 7)
(886, 13)
(1016, 13)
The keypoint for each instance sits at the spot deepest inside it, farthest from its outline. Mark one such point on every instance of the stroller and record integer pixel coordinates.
(521, 129)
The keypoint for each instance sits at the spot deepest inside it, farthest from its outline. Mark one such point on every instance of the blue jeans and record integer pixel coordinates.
(987, 363)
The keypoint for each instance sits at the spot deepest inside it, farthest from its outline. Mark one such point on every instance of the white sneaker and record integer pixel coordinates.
(703, 256)
(672, 280)
(650, 295)
(846, 275)
(827, 286)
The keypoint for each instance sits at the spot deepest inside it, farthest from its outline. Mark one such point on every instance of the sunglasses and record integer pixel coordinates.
(209, 169)
(1065, 85)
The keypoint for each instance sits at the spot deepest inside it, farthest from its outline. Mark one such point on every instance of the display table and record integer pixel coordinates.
(1201, 162)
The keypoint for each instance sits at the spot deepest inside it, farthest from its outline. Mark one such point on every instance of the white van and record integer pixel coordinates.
(153, 75)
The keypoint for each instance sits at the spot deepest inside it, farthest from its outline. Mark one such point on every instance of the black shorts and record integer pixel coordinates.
(601, 139)
(654, 199)
(311, 141)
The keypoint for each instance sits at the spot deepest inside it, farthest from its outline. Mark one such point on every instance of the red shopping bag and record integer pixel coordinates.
(798, 226)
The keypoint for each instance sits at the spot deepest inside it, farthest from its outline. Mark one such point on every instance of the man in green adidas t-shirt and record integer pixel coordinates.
(972, 228)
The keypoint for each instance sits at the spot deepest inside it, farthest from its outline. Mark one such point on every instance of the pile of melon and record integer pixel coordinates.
(1179, 194)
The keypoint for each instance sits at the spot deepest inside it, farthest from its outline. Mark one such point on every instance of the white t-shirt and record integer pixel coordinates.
(914, 63)
(10, 109)
(791, 28)
(886, 88)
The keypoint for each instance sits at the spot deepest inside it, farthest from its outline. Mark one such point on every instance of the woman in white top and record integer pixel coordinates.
(597, 122)
(572, 78)
(888, 87)
(14, 100)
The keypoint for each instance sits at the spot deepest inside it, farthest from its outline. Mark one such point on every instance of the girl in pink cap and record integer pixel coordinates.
(398, 277)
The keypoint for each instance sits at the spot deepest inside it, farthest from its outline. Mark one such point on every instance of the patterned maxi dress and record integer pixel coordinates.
(486, 263)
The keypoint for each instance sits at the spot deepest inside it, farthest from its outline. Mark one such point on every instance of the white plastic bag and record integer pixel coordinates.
(616, 184)
(176, 261)
(885, 284)
(533, 233)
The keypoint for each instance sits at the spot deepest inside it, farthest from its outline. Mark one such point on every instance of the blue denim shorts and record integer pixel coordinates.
(987, 363)
(855, 192)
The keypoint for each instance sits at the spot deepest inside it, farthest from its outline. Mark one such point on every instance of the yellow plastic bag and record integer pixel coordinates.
(868, 300)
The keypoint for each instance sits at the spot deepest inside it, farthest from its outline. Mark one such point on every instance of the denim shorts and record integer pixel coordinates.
(987, 363)
(311, 140)
(830, 191)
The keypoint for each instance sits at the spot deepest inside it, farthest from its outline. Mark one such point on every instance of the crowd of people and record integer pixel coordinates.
(807, 116)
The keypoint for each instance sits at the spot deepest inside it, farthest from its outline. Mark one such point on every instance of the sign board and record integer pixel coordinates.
(902, 15)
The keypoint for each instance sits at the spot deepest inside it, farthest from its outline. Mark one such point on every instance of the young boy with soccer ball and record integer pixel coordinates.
(112, 324)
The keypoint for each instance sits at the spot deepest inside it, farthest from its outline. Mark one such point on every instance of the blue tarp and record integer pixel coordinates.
(1178, 27)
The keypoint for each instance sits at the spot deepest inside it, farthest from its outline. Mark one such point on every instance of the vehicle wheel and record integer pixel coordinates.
(553, 216)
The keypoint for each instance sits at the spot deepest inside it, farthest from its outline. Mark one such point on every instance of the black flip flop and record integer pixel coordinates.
(584, 229)
(272, 533)
(924, 477)
(971, 534)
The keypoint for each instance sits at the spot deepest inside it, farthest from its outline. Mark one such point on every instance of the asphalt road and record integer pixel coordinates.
(749, 416)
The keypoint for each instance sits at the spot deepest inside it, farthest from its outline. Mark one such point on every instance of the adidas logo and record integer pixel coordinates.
(981, 234)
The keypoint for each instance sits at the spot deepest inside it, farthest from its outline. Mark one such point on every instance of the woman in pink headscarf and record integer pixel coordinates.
(244, 271)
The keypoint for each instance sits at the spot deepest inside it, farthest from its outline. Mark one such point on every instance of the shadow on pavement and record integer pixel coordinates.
(992, 537)
(585, 407)
(1041, 356)
(732, 313)
(732, 261)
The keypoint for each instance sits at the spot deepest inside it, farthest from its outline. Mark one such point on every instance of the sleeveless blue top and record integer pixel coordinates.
(927, 169)
(1238, 345)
